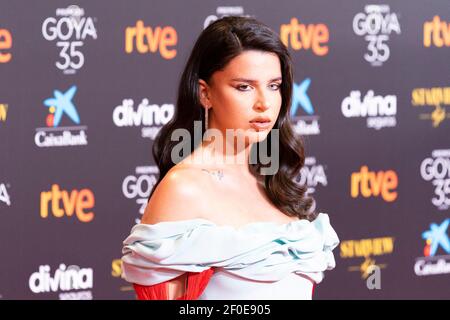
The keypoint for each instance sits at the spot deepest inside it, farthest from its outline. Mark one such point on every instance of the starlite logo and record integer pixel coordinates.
(307, 124)
(436, 237)
(3, 112)
(367, 249)
(61, 106)
(433, 103)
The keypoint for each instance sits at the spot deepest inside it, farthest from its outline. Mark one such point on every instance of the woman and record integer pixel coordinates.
(221, 223)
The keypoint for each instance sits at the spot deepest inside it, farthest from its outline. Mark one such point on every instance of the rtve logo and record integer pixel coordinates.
(5, 44)
(301, 36)
(436, 32)
(371, 183)
(158, 38)
(78, 202)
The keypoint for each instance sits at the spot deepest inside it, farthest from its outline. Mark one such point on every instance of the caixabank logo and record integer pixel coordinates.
(60, 203)
(149, 117)
(144, 39)
(305, 37)
(370, 250)
(432, 104)
(377, 184)
(436, 169)
(61, 108)
(69, 29)
(436, 252)
(376, 24)
(5, 45)
(436, 33)
(139, 185)
(223, 11)
(304, 117)
(68, 282)
(379, 111)
(312, 174)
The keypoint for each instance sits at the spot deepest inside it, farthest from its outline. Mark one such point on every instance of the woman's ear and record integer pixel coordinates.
(204, 93)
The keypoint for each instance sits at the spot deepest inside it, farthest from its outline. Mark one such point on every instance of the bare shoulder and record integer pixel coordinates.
(179, 196)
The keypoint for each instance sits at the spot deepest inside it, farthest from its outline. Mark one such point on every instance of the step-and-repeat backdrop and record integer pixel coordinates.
(86, 85)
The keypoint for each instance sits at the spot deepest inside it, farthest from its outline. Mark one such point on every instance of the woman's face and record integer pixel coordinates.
(249, 87)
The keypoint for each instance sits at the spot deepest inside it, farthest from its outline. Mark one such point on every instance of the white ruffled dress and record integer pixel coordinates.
(261, 260)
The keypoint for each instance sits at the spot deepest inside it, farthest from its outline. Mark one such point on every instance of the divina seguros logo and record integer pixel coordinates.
(55, 136)
(379, 111)
(71, 282)
(151, 117)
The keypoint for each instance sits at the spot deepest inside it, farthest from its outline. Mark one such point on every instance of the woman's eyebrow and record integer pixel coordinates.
(254, 81)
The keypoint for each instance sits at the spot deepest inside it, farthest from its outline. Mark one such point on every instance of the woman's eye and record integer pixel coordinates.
(243, 87)
(275, 86)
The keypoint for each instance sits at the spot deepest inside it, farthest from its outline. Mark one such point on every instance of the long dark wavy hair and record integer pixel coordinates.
(217, 45)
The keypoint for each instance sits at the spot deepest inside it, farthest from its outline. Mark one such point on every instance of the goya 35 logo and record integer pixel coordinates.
(223, 11)
(60, 203)
(138, 186)
(53, 135)
(312, 174)
(436, 240)
(305, 120)
(376, 24)
(70, 29)
(436, 169)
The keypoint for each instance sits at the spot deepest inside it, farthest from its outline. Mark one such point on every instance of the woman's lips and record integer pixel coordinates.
(259, 125)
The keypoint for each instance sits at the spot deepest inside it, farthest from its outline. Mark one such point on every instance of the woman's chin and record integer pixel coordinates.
(257, 136)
